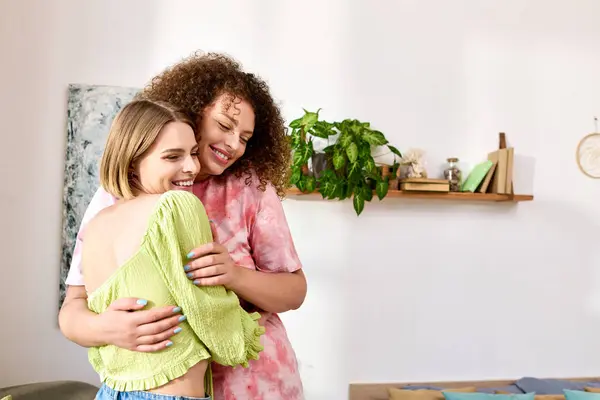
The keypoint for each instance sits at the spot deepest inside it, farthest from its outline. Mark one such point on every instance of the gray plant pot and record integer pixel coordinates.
(319, 163)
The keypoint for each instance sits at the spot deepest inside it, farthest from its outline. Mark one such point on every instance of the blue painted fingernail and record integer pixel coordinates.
(196, 282)
(176, 310)
(169, 344)
(190, 275)
(142, 302)
(186, 268)
(178, 330)
(182, 318)
(190, 254)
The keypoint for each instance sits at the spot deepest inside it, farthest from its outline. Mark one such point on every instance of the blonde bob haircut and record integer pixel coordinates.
(132, 133)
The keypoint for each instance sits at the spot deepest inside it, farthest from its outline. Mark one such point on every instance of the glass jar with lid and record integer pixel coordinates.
(453, 174)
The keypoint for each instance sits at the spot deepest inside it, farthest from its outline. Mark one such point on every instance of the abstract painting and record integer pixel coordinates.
(90, 112)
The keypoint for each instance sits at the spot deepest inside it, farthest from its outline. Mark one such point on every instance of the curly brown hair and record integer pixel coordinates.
(195, 83)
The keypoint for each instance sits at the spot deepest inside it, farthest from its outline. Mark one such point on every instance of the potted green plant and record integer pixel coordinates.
(350, 171)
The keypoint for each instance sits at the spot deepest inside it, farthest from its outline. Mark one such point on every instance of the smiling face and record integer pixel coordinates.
(225, 129)
(171, 162)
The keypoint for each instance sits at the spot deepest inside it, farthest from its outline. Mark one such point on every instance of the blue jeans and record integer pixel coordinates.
(106, 393)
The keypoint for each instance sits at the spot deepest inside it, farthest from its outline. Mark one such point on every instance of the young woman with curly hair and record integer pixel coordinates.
(244, 156)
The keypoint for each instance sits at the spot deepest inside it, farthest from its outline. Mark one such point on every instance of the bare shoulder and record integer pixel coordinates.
(98, 223)
(142, 203)
(114, 234)
(121, 213)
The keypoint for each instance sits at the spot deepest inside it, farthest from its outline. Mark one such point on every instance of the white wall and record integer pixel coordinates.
(408, 291)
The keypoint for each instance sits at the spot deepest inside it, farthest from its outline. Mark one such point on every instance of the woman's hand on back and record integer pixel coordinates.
(142, 330)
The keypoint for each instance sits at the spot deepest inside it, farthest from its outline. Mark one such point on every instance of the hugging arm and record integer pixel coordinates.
(143, 330)
(278, 284)
(272, 292)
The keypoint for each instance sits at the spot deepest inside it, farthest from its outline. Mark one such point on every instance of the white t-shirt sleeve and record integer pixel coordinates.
(100, 201)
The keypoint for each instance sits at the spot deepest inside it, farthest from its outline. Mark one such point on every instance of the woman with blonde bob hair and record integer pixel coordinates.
(133, 132)
(135, 248)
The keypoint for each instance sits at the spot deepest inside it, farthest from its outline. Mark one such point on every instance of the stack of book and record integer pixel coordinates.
(494, 175)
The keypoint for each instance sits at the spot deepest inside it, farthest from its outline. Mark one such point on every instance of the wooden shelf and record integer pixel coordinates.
(464, 196)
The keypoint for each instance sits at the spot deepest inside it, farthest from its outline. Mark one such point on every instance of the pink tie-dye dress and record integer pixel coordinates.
(251, 223)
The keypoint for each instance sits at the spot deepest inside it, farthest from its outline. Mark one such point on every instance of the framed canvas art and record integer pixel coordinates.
(90, 112)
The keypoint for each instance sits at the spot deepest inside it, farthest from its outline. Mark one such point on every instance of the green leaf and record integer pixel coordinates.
(322, 130)
(331, 186)
(298, 158)
(329, 189)
(343, 126)
(358, 202)
(327, 174)
(325, 182)
(355, 127)
(345, 140)
(374, 138)
(307, 184)
(367, 192)
(382, 189)
(348, 190)
(325, 190)
(364, 151)
(309, 119)
(296, 138)
(376, 175)
(340, 189)
(301, 184)
(302, 154)
(352, 152)
(370, 165)
(329, 149)
(296, 176)
(394, 150)
(354, 174)
(311, 184)
(295, 124)
(339, 160)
